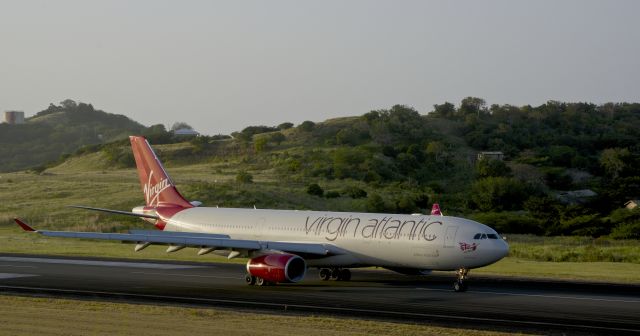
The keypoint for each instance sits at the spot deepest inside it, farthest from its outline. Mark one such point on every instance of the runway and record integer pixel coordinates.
(490, 303)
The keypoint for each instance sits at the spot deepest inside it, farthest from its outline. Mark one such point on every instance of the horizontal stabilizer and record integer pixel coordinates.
(126, 213)
(24, 225)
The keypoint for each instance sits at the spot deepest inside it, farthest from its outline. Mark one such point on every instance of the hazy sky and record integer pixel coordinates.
(224, 65)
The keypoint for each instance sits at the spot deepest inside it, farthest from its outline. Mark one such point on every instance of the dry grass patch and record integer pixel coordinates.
(43, 316)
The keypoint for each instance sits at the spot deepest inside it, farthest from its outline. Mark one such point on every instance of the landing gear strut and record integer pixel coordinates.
(335, 273)
(460, 284)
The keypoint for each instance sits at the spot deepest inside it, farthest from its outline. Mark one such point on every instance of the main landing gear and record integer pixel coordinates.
(460, 284)
(257, 281)
(335, 273)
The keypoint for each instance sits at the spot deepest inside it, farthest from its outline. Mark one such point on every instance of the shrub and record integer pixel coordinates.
(332, 194)
(244, 177)
(315, 190)
(354, 192)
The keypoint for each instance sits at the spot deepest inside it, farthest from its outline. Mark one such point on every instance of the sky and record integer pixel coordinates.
(223, 65)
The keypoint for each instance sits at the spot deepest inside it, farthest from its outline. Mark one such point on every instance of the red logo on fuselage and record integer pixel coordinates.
(466, 247)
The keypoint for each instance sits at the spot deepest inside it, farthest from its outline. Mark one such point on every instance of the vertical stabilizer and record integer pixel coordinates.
(435, 210)
(157, 186)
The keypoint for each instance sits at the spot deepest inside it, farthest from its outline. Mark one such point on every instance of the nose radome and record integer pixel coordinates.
(503, 249)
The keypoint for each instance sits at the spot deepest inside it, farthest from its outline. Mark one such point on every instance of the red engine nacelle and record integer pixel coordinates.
(280, 267)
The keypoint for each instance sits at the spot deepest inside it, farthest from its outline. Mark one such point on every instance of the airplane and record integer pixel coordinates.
(282, 244)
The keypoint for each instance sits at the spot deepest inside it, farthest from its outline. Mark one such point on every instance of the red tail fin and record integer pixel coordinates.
(435, 210)
(156, 184)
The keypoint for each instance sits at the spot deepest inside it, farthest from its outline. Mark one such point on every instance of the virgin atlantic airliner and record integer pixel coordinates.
(282, 244)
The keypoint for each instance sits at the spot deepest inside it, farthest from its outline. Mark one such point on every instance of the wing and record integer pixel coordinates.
(190, 239)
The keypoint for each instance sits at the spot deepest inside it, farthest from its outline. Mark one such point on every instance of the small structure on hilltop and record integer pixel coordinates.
(14, 117)
(576, 196)
(186, 132)
(632, 204)
(491, 156)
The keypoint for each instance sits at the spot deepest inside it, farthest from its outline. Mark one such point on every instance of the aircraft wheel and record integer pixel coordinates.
(335, 274)
(325, 274)
(459, 286)
(260, 281)
(250, 279)
(345, 275)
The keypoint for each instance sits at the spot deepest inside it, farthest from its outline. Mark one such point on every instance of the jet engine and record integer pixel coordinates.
(276, 267)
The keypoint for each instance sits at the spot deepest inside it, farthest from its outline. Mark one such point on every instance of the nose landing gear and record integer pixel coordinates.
(460, 284)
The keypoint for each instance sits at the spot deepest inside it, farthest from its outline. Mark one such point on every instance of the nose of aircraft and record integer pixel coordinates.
(502, 249)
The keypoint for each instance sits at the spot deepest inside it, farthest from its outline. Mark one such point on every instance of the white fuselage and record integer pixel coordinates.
(420, 242)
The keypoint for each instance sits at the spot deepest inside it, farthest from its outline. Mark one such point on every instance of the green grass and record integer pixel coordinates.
(43, 316)
(585, 271)
(574, 249)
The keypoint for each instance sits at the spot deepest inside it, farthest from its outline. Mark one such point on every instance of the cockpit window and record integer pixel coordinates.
(486, 236)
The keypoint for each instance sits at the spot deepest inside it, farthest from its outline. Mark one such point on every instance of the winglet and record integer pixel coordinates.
(24, 225)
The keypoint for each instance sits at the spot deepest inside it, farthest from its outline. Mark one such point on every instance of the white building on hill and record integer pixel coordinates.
(14, 117)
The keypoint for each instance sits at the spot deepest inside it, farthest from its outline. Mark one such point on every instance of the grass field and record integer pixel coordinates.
(41, 316)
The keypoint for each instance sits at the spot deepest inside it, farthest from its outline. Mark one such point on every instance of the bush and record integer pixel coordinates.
(38, 169)
(375, 203)
(626, 231)
(354, 192)
(332, 194)
(244, 177)
(315, 190)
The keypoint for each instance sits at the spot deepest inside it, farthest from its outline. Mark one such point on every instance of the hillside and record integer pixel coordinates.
(59, 130)
(399, 161)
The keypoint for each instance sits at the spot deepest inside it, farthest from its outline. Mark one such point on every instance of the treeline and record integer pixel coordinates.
(405, 160)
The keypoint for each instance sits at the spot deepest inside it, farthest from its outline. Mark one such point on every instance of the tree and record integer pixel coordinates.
(68, 104)
(436, 149)
(613, 160)
(285, 125)
(444, 110)
(492, 168)
(472, 105)
(180, 125)
(307, 126)
(498, 193)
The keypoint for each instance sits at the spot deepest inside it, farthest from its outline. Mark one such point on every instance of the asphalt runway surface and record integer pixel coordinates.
(490, 302)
